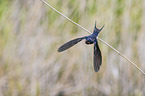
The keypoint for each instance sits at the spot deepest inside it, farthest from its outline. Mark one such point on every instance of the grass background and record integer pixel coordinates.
(30, 34)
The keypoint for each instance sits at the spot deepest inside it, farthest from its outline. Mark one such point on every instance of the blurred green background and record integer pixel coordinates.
(31, 32)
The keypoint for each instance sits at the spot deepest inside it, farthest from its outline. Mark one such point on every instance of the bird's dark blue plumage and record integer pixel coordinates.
(88, 40)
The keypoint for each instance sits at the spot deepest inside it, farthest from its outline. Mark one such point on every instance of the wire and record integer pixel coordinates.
(97, 37)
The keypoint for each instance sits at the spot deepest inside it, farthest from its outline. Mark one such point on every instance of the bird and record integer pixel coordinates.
(91, 39)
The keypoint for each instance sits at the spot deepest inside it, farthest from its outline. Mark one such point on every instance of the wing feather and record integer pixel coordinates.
(69, 44)
(97, 57)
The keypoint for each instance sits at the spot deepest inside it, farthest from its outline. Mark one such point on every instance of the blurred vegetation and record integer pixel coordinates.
(30, 34)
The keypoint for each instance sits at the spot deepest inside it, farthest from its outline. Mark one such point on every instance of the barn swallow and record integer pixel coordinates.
(88, 40)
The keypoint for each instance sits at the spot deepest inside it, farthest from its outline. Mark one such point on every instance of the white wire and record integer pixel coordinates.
(97, 37)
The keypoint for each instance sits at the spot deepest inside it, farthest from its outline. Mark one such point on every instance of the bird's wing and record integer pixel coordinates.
(69, 44)
(97, 57)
